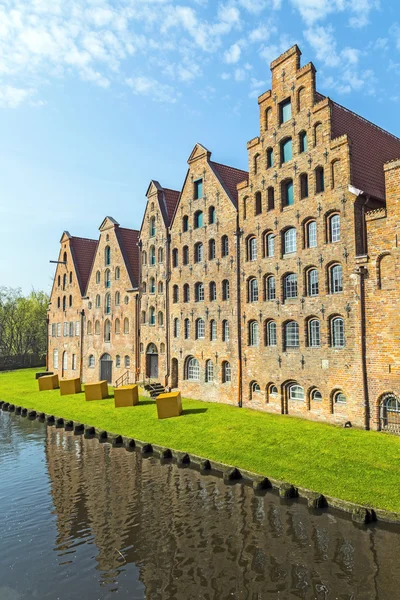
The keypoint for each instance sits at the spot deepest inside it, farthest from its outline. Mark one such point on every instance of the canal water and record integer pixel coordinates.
(83, 520)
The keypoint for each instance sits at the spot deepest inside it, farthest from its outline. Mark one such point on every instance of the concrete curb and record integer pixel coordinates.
(360, 514)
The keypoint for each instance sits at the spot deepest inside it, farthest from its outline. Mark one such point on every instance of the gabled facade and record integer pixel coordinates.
(65, 315)
(111, 304)
(153, 360)
(203, 283)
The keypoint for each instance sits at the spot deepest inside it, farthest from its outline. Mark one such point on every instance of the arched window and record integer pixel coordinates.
(270, 288)
(175, 257)
(225, 289)
(64, 303)
(386, 272)
(89, 328)
(126, 325)
(160, 287)
(59, 280)
(64, 281)
(97, 276)
(117, 326)
(225, 330)
(185, 255)
(199, 292)
(303, 186)
(143, 316)
(211, 249)
(211, 215)
(127, 361)
(256, 163)
(117, 273)
(97, 328)
(289, 240)
(315, 396)
(339, 398)
(336, 279)
(337, 333)
(198, 252)
(152, 285)
(286, 150)
(161, 255)
(107, 278)
(224, 245)
(252, 248)
(226, 372)
(213, 330)
(175, 294)
(65, 257)
(271, 198)
(107, 331)
(270, 333)
(291, 335)
(389, 413)
(334, 228)
(200, 329)
(255, 389)
(107, 256)
(152, 227)
(160, 318)
(254, 333)
(117, 360)
(302, 141)
(287, 192)
(290, 286)
(152, 316)
(91, 361)
(317, 134)
(107, 303)
(301, 99)
(270, 158)
(187, 329)
(311, 234)
(272, 392)
(144, 258)
(70, 301)
(312, 282)
(258, 204)
(319, 180)
(314, 333)
(186, 293)
(296, 392)
(193, 369)
(144, 287)
(198, 219)
(176, 327)
(268, 118)
(70, 277)
(97, 303)
(58, 302)
(252, 293)
(209, 371)
(213, 291)
(152, 255)
(185, 223)
(269, 245)
(245, 207)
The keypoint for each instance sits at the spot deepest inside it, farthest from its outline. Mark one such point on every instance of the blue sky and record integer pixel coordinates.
(98, 97)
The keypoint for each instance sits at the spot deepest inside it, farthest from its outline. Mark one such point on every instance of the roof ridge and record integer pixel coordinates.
(77, 237)
(365, 120)
(129, 229)
(170, 190)
(229, 166)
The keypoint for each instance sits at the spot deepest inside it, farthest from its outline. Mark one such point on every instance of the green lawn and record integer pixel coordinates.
(358, 466)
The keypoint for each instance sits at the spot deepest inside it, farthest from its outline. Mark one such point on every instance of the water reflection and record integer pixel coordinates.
(134, 528)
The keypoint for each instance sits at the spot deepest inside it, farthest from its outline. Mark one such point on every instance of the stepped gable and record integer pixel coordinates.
(83, 251)
(230, 178)
(371, 147)
(128, 240)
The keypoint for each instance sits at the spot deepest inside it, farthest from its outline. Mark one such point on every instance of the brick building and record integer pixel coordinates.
(261, 288)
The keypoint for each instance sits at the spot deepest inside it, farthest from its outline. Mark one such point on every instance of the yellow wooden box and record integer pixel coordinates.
(70, 386)
(126, 395)
(96, 391)
(169, 405)
(48, 382)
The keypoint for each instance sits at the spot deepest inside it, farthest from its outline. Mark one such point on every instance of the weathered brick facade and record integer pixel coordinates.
(274, 289)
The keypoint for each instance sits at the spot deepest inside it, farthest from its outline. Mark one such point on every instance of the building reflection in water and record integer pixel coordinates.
(192, 537)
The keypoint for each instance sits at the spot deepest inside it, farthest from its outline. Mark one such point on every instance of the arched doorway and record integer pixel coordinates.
(106, 368)
(390, 414)
(174, 373)
(152, 361)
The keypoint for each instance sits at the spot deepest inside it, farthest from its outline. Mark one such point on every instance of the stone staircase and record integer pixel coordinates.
(154, 389)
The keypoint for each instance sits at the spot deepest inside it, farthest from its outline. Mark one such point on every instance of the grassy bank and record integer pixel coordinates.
(358, 466)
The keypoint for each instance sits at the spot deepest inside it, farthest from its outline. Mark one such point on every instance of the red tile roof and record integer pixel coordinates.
(371, 147)
(229, 177)
(83, 251)
(168, 200)
(128, 242)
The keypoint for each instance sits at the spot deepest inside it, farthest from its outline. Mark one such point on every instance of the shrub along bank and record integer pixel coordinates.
(353, 465)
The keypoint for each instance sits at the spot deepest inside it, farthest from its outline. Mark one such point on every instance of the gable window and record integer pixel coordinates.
(144, 258)
(336, 279)
(270, 288)
(152, 286)
(224, 245)
(256, 163)
(319, 180)
(186, 293)
(117, 326)
(287, 193)
(271, 198)
(160, 255)
(311, 234)
(253, 290)
(107, 278)
(213, 330)
(258, 204)
(176, 327)
(152, 256)
(211, 249)
(97, 276)
(117, 273)
(303, 185)
(199, 292)
(302, 141)
(200, 329)
(314, 333)
(175, 294)
(198, 219)
(225, 330)
(312, 282)
(337, 333)
(152, 316)
(289, 241)
(187, 329)
(152, 227)
(198, 189)
(290, 286)
(270, 158)
(107, 256)
(286, 150)
(317, 134)
(225, 289)
(270, 334)
(185, 255)
(198, 252)
(285, 111)
(213, 291)
(175, 257)
(268, 118)
(291, 335)
(107, 331)
(126, 324)
(211, 215)
(185, 223)
(107, 304)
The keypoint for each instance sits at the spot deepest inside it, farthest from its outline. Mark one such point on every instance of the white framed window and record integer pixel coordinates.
(252, 249)
(213, 291)
(296, 392)
(270, 245)
(336, 279)
(53, 330)
(253, 290)
(290, 286)
(199, 292)
(193, 370)
(187, 329)
(316, 396)
(226, 372)
(118, 361)
(312, 234)
(292, 335)
(213, 330)
(127, 361)
(198, 252)
(65, 361)
(225, 331)
(209, 371)
(176, 327)
(91, 361)
(312, 280)
(334, 228)
(271, 334)
(337, 333)
(314, 333)
(339, 398)
(289, 241)
(271, 288)
(77, 328)
(66, 329)
(58, 329)
(254, 333)
(73, 362)
(200, 329)
(55, 359)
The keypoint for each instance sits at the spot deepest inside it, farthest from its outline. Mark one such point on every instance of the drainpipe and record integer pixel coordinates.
(47, 342)
(362, 273)
(82, 315)
(238, 234)
(167, 315)
(138, 311)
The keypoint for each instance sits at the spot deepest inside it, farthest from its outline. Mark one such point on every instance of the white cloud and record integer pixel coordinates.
(11, 97)
(240, 75)
(261, 33)
(147, 86)
(232, 55)
(312, 11)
